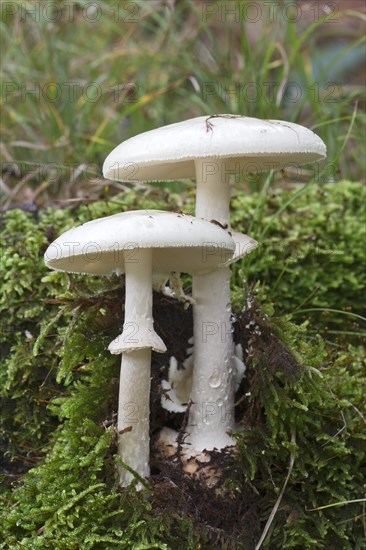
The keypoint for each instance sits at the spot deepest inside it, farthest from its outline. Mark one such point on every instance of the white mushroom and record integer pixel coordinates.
(139, 243)
(211, 149)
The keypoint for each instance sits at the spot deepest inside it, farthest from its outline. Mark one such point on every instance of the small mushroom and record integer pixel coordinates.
(138, 243)
(210, 149)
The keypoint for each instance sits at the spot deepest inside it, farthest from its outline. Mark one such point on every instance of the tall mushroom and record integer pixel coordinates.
(139, 243)
(210, 149)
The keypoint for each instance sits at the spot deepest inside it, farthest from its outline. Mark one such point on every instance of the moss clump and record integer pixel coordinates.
(301, 407)
(304, 415)
(298, 404)
(72, 500)
(312, 250)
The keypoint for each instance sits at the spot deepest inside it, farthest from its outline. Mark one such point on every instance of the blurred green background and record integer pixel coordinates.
(80, 77)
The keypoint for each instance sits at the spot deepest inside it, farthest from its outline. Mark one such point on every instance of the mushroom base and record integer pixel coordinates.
(198, 464)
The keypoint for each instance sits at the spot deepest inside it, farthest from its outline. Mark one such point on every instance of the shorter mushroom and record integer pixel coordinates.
(139, 243)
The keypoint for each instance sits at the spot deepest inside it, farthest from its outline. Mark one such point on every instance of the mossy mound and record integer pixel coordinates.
(301, 407)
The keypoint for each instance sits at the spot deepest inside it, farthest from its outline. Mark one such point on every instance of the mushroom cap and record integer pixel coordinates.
(244, 245)
(179, 242)
(168, 153)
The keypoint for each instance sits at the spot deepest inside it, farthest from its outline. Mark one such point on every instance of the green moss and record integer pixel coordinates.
(312, 248)
(59, 384)
(312, 413)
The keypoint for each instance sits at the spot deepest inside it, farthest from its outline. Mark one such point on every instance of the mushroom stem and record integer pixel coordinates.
(133, 414)
(213, 190)
(138, 328)
(135, 342)
(211, 412)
